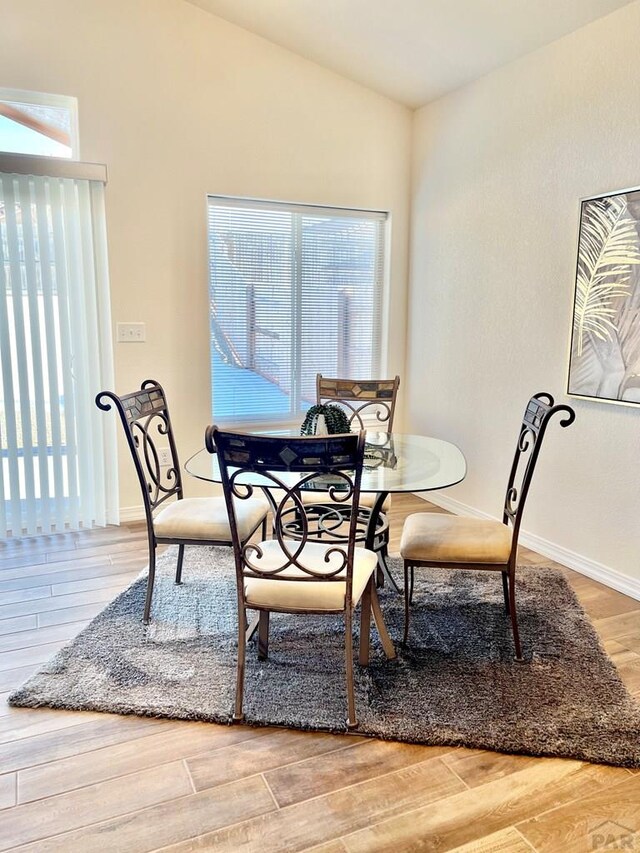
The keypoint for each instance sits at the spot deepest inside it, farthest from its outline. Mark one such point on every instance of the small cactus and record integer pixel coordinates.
(335, 418)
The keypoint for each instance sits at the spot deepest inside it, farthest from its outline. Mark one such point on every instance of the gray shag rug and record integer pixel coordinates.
(456, 684)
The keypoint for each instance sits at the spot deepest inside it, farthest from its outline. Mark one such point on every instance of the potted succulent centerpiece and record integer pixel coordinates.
(325, 419)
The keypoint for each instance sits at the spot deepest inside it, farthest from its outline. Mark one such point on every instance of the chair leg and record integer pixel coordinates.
(514, 618)
(150, 580)
(348, 650)
(365, 624)
(411, 585)
(251, 627)
(385, 639)
(505, 590)
(407, 601)
(263, 635)
(383, 566)
(180, 559)
(238, 714)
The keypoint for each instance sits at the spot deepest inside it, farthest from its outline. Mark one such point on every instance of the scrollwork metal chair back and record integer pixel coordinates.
(375, 398)
(538, 413)
(368, 403)
(333, 463)
(145, 420)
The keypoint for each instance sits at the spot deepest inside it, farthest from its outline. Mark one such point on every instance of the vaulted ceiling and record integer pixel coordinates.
(411, 50)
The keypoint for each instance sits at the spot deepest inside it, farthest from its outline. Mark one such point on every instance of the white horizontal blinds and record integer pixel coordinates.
(250, 262)
(55, 355)
(294, 290)
(340, 301)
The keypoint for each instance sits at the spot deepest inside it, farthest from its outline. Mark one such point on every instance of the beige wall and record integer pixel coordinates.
(499, 168)
(179, 103)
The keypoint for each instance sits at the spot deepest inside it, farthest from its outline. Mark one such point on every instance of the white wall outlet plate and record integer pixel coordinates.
(131, 333)
(164, 457)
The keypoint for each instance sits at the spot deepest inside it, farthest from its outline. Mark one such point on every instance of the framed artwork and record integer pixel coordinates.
(604, 362)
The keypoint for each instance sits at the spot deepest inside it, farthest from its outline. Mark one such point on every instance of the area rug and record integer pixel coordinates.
(457, 682)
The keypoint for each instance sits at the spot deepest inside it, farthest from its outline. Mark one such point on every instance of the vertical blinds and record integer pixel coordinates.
(294, 291)
(57, 454)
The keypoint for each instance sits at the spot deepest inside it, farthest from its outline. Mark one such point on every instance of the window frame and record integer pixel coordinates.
(46, 99)
(237, 202)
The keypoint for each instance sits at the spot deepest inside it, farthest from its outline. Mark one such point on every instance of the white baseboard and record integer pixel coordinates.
(131, 513)
(592, 569)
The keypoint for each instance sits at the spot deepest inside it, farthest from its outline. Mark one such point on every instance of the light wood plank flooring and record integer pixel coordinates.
(87, 781)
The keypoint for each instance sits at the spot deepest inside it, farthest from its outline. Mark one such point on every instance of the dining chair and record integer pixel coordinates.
(367, 403)
(295, 572)
(144, 416)
(454, 542)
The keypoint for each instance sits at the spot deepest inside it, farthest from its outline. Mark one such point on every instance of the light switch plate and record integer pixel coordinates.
(131, 333)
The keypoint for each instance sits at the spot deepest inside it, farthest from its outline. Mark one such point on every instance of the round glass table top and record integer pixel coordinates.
(393, 462)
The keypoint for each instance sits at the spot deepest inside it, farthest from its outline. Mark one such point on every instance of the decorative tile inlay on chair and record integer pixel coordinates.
(142, 403)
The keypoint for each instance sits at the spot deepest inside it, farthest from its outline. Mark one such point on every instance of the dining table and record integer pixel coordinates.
(394, 463)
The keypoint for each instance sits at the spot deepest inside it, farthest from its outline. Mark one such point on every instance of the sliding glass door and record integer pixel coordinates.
(57, 453)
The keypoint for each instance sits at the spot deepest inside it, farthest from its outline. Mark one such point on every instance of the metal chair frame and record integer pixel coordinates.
(145, 420)
(359, 397)
(538, 413)
(338, 458)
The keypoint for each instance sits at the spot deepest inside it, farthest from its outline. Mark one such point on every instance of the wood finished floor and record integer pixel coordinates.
(86, 781)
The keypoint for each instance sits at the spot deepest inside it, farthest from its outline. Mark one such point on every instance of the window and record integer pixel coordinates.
(38, 123)
(294, 291)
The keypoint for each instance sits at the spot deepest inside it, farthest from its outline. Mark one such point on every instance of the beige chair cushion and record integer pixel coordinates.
(366, 499)
(268, 593)
(206, 519)
(451, 539)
